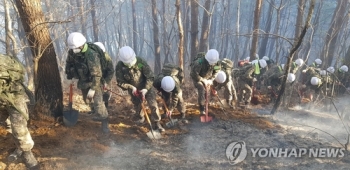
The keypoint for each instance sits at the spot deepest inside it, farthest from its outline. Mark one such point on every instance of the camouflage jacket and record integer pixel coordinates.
(110, 69)
(86, 67)
(140, 75)
(273, 75)
(246, 73)
(201, 69)
(311, 72)
(158, 81)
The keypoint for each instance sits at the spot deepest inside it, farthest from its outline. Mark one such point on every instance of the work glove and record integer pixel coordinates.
(269, 87)
(168, 113)
(90, 94)
(105, 87)
(207, 82)
(254, 79)
(143, 92)
(214, 92)
(304, 71)
(134, 91)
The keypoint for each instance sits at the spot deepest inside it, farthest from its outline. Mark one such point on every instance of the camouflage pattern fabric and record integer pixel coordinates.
(229, 90)
(87, 68)
(174, 98)
(245, 81)
(140, 76)
(202, 70)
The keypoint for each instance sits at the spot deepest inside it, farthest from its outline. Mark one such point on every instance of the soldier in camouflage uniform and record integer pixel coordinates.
(342, 77)
(298, 63)
(13, 101)
(135, 75)
(107, 80)
(313, 81)
(229, 89)
(169, 83)
(273, 79)
(203, 71)
(247, 75)
(83, 63)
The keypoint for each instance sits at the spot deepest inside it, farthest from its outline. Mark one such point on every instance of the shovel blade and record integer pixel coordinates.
(154, 135)
(205, 119)
(172, 123)
(70, 118)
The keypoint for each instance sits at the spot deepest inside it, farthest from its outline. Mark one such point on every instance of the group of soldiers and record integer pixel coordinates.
(90, 66)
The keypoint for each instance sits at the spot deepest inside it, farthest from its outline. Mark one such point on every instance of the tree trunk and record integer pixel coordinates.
(203, 45)
(94, 20)
(80, 5)
(181, 35)
(294, 48)
(254, 47)
(194, 29)
(299, 23)
(46, 74)
(333, 32)
(263, 46)
(157, 62)
(134, 25)
(237, 54)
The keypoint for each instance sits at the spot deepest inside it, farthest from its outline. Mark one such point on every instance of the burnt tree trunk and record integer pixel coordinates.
(256, 29)
(181, 35)
(46, 75)
(157, 62)
(194, 29)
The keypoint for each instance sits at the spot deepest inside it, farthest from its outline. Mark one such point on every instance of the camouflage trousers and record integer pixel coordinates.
(169, 99)
(152, 102)
(245, 92)
(229, 90)
(96, 104)
(201, 94)
(17, 124)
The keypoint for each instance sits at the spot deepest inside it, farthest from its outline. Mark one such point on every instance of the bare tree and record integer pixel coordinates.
(296, 45)
(333, 32)
(194, 28)
(94, 20)
(134, 25)
(256, 29)
(46, 74)
(264, 42)
(203, 45)
(299, 22)
(181, 34)
(157, 62)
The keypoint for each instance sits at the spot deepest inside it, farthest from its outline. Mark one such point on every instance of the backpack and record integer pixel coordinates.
(104, 59)
(199, 58)
(172, 70)
(227, 63)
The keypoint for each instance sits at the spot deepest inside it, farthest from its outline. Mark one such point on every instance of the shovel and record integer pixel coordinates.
(254, 99)
(217, 96)
(152, 134)
(206, 117)
(172, 121)
(70, 117)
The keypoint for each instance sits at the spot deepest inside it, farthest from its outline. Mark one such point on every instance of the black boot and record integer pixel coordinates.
(159, 127)
(183, 118)
(30, 160)
(14, 155)
(201, 110)
(105, 127)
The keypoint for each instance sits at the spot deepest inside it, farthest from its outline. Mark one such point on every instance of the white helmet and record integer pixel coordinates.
(75, 40)
(299, 62)
(99, 44)
(212, 56)
(168, 84)
(291, 77)
(282, 66)
(344, 68)
(254, 61)
(318, 61)
(127, 55)
(257, 56)
(248, 58)
(220, 77)
(266, 58)
(315, 81)
(323, 72)
(262, 63)
(331, 69)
